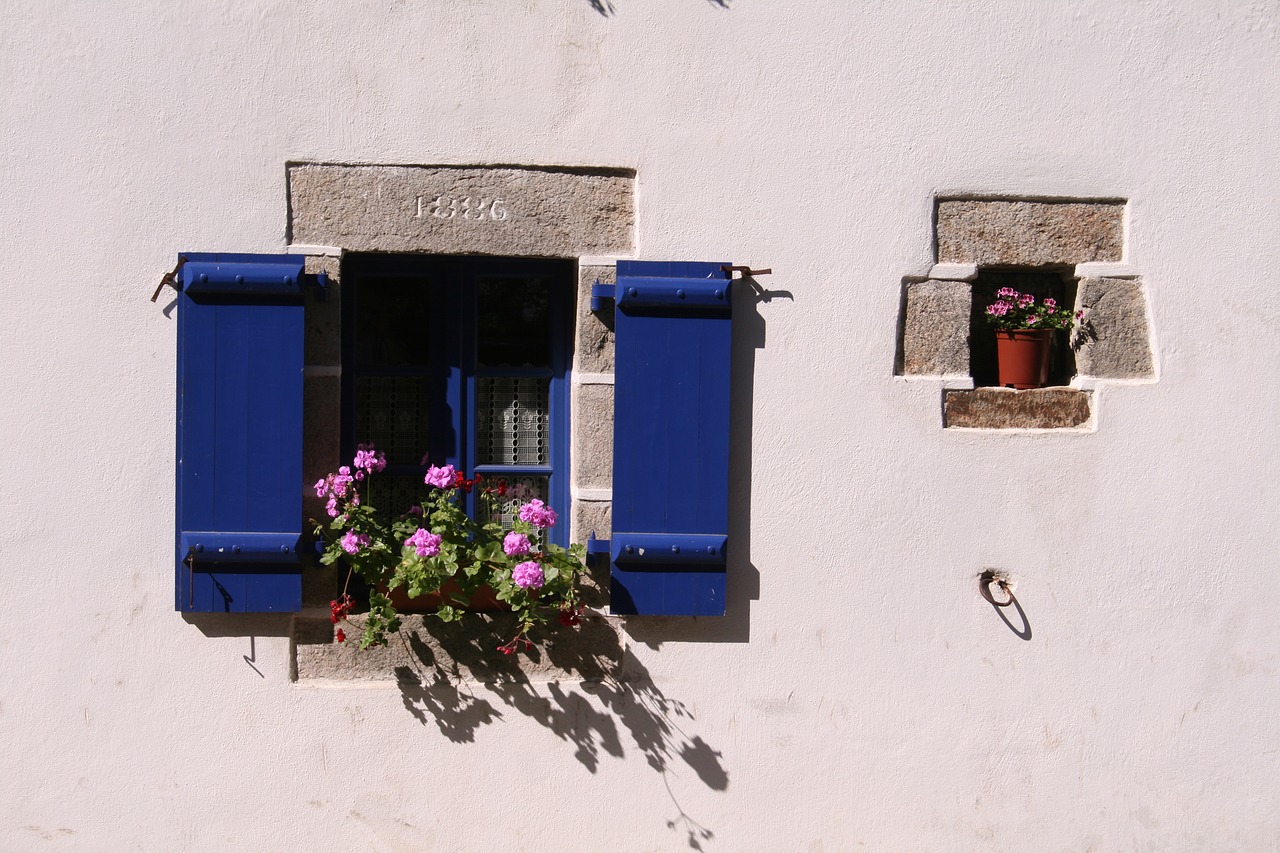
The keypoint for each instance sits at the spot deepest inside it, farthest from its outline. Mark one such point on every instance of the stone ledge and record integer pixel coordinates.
(1005, 408)
(460, 651)
(1029, 233)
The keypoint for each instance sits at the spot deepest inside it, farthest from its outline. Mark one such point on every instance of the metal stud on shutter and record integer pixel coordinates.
(512, 420)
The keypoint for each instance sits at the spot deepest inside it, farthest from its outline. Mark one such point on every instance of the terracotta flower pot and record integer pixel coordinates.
(485, 599)
(1022, 357)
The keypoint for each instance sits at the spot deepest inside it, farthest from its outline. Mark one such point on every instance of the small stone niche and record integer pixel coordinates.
(1056, 282)
(1071, 250)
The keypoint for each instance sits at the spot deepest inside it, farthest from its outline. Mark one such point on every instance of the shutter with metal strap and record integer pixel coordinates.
(671, 439)
(239, 477)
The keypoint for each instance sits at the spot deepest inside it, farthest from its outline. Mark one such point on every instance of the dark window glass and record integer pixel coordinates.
(513, 322)
(393, 322)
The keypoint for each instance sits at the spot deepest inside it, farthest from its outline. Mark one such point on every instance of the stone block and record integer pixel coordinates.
(593, 340)
(935, 333)
(1029, 233)
(320, 584)
(591, 516)
(593, 436)
(1115, 342)
(323, 343)
(427, 649)
(321, 435)
(1005, 408)
(484, 210)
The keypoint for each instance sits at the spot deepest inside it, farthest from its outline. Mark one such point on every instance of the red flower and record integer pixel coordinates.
(340, 607)
(342, 636)
(502, 488)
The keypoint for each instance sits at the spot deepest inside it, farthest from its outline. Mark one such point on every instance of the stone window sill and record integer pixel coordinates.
(427, 648)
(1005, 408)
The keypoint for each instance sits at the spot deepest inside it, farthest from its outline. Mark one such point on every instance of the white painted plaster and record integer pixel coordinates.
(861, 695)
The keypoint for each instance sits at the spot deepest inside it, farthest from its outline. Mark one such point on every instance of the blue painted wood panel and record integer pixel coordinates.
(671, 439)
(239, 436)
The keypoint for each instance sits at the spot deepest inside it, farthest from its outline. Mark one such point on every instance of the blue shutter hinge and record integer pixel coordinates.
(320, 283)
(268, 274)
(683, 548)
(600, 292)
(597, 552)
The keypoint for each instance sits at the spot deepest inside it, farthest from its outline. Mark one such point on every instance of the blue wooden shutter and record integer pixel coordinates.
(671, 439)
(239, 478)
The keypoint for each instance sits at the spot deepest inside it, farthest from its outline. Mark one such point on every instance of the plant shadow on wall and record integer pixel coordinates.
(743, 578)
(615, 697)
(608, 7)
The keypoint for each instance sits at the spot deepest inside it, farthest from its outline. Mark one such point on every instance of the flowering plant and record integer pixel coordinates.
(1014, 310)
(435, 541)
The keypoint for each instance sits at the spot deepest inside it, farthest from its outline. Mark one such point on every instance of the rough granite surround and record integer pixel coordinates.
(323, 316)
(546, 212)
(935, 336)
(591, 517)
(592, 420)
(427, 649)
(1005, 408)
(593, 348)
(1117, 341)
(321, 403)
(1029, 233)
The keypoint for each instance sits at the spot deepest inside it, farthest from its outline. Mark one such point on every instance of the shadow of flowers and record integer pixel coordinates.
(607, 699)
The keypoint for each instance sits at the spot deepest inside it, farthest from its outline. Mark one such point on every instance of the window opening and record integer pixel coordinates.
(463, 359)
(1056, 282)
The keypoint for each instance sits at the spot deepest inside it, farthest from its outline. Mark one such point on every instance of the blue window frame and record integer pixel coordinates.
(465, 359)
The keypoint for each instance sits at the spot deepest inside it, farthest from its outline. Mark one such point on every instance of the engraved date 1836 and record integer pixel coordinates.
(464, 207)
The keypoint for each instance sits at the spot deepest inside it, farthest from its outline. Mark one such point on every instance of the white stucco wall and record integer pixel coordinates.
(869, 698)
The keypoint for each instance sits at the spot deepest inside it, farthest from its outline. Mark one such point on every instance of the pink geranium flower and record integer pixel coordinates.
(538, 514)
(352, 542)
(441, 478)
(528, 575)
(516, 544)
(424, 542)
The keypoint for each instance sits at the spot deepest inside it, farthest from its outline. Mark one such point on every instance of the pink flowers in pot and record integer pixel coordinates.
(1014, 310)
(435, 548)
